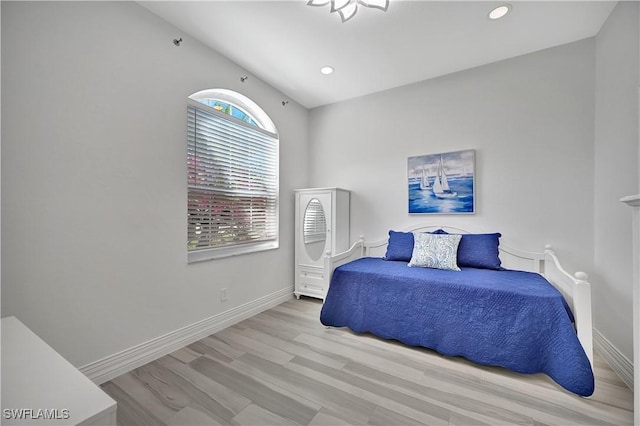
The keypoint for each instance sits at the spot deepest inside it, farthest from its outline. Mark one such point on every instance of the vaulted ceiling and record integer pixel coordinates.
(285, 43)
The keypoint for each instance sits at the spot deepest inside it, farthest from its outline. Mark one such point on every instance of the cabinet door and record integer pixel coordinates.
(314, 238)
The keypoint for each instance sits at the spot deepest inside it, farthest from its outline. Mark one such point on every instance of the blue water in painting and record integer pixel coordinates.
(423, 201)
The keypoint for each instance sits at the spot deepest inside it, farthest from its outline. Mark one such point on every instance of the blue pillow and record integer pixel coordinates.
(400, 246)
(478, 250)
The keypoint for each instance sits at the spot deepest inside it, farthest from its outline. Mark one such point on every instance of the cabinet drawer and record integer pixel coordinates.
(310, 289)
(312, 275)
(311, 281)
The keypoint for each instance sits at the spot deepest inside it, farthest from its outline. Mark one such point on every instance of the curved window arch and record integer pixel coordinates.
(229, 109)
(232, 162)
(239, 101)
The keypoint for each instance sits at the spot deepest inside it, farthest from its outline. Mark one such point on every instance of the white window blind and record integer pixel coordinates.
(232, 185)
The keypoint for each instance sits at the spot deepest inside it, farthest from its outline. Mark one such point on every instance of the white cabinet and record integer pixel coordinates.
(322, 225)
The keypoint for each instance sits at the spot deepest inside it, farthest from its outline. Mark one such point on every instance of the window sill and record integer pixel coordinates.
(220, 253)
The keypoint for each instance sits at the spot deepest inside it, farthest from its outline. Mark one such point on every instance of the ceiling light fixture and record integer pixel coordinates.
(347, 8)
(499, 11)
(326, 70)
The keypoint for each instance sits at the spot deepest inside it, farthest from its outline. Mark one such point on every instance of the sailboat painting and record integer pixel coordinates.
(442, 183)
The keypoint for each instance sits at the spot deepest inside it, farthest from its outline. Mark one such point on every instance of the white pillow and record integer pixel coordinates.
(438, 251)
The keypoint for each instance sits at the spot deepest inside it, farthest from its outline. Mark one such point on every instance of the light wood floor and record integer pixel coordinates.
(283, 367)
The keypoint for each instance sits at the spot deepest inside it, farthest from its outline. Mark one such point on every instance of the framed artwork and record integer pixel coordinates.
(442, 183)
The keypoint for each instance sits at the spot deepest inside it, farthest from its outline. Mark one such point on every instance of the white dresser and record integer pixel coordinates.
(322, 225)
(40, 387)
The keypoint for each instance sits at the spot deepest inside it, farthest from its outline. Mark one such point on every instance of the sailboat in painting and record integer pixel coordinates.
(441, 184)
(424, 182)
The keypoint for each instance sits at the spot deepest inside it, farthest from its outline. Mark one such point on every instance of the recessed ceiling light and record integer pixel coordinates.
(499, 11)
(326, 70)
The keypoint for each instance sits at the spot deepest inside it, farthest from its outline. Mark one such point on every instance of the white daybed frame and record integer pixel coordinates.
(576, 289)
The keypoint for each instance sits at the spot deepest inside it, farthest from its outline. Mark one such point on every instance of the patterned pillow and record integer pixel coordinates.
(435, 251)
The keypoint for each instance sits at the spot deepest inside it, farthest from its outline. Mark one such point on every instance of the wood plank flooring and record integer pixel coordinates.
(282, 367)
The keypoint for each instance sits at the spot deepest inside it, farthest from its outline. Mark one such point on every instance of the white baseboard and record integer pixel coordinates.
(618, 362)
(112, 366)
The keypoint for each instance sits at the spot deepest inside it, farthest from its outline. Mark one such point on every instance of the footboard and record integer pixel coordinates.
(331, 262)
(576, 290)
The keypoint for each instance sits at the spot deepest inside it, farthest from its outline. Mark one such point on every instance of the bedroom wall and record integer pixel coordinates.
(530, 120)
(94, 178)
(616, 173)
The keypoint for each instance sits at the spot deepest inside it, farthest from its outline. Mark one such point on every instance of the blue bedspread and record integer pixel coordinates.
(512, 319)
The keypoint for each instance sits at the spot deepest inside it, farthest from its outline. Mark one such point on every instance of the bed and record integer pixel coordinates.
(524, 313)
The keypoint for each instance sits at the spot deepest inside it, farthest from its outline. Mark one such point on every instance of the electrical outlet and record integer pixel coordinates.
(223, 294)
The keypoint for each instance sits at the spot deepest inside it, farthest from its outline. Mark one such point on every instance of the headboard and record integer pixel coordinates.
(511, 258)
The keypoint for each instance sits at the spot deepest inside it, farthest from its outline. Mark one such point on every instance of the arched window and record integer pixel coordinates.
(232, 161)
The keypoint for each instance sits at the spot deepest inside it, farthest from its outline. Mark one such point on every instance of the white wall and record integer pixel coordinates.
(530, 120)
(616, 173)
(94, 178)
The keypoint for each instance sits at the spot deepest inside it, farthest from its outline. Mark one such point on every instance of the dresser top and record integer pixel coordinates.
(36, 378)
